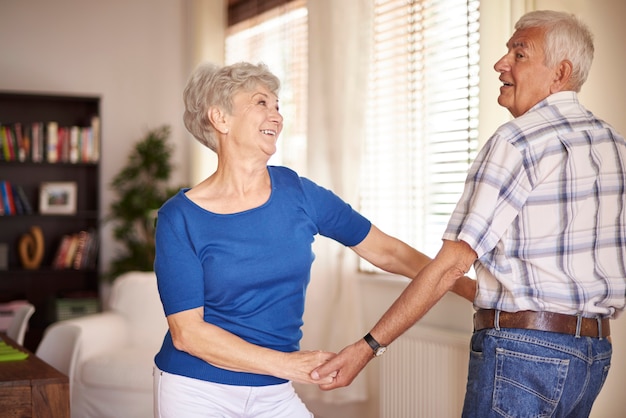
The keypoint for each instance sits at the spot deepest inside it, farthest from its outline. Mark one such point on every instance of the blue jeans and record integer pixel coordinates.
(517, 373)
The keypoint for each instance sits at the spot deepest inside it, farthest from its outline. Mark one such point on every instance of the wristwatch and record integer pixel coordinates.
(379, 350)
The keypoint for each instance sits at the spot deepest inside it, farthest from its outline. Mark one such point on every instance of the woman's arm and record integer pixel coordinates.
(191, 334)
(394, 256)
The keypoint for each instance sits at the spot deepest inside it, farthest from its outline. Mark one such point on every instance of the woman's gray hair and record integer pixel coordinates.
(566, 38)
(213, 85)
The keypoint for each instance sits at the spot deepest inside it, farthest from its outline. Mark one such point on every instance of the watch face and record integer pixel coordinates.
(380, 351)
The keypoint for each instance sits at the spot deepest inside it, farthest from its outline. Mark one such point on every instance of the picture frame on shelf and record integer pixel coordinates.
(57, 198)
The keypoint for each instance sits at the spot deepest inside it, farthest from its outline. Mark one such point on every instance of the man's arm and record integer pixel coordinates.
(433, 281)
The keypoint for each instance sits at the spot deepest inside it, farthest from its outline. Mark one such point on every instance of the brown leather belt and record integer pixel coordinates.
(543, 321)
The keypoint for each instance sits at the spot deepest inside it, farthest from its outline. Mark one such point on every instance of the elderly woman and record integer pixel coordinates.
(234, 256)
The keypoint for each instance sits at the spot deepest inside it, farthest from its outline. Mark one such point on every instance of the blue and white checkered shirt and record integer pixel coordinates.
(544, 207)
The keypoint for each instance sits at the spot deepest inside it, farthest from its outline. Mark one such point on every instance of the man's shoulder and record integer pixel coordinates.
(547, 117)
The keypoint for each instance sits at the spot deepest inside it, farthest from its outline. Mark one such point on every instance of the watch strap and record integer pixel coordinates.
(371, 341)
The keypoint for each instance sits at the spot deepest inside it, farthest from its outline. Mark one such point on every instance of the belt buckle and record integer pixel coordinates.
(579, 323)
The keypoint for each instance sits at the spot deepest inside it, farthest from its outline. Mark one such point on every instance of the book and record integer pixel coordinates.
(12, 143)
(7, 198)
(20, 147)
(61, 253)
(74, 144)
(63, 149)
(23, 132)
(4, 140)
(18, 191)
(90, 254)
(17, 201)
(37, 137)
(9, 191)
(52, 139)
(83, 237)
(95, 139)
(68, 261)
(86, 140)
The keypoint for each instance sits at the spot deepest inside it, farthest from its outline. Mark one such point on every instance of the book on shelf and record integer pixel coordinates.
(7, 198)
(59, 258)
(38, 142)
(50, 142)
(74, 145)
(11, 145)
(77, 263)
(95, 138)
(23, 142)
(13, 200)
(7, 143)
(89, 255)
(20, 194)
(76, 251)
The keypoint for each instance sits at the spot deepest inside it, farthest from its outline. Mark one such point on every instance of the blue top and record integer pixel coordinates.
(249, 270)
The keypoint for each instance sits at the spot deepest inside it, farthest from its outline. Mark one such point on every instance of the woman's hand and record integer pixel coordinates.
(298, 365)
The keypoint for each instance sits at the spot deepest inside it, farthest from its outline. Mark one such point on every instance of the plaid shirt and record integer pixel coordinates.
(544, 207)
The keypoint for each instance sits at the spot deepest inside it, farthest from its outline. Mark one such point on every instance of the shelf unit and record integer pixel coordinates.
(45, 284)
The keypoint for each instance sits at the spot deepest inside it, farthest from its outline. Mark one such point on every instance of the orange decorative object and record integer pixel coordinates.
(31, 248)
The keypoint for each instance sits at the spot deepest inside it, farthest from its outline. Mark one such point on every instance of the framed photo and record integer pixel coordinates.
(57, 198)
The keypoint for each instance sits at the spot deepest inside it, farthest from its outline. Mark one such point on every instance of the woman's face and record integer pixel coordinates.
(255, 122)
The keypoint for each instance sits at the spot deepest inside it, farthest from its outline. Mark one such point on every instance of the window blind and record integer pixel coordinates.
(422, 116)
(279, 38)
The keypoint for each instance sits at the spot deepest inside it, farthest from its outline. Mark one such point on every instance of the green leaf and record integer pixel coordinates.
(141, 187)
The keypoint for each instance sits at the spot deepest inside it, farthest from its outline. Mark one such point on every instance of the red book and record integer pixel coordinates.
(9, 202)
(10, 143)
(61, 254)
(23, 145)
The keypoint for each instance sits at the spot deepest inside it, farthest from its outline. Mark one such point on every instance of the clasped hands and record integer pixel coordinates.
(335, 371)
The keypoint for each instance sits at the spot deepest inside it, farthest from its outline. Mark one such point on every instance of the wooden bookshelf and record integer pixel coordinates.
(43, 285)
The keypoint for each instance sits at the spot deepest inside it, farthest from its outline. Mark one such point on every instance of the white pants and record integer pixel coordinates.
(183, 397)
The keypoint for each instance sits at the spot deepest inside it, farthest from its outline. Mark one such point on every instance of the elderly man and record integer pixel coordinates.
(543, 221)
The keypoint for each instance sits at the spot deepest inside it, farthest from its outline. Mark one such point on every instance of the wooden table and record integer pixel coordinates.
(32, 388)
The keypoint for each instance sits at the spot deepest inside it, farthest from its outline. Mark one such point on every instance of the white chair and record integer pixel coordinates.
(19, 323)
(59, 348)
(113, 373)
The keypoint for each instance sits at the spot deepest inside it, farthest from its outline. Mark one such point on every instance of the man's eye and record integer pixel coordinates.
(262, 102)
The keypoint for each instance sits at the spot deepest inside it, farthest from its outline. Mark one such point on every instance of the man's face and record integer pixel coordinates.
(526, 79)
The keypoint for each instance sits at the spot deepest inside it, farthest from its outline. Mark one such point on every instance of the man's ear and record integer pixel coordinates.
(562, 77)
(217, 117)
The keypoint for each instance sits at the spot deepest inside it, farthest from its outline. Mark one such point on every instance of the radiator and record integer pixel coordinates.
(423, 374)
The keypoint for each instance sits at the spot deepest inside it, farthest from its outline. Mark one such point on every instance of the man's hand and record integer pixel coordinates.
(296, 366)
(345, 366)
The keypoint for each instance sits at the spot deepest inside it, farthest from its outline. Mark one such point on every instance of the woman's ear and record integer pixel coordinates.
(218, 119)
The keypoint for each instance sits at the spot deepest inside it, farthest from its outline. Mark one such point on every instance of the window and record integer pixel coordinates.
(278, 38)
(422, 116)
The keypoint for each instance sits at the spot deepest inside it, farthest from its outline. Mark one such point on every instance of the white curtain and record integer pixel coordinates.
(338, 58)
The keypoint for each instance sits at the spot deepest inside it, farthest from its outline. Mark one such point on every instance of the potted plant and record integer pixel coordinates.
(141, 187)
